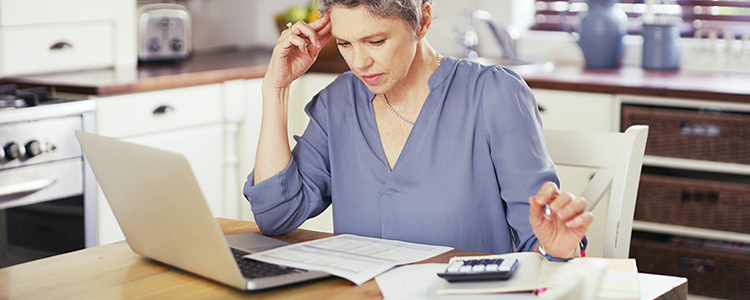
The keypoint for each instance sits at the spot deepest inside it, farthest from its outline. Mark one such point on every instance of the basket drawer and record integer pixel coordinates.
(710, 272)
(693, 134)
(704, 203)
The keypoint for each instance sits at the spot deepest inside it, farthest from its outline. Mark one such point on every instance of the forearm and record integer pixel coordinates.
(284, 201)
(273, 153)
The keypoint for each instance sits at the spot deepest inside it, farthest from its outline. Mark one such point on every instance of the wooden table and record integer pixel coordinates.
(113, 271)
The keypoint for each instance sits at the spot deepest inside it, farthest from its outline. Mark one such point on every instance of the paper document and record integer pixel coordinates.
(620, 280)
(355, 258)
(420, 282)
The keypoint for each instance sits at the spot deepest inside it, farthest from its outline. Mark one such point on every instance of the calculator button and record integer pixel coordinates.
(453, 268)
(477, 268)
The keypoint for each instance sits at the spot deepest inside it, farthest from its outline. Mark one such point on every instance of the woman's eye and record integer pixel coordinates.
(377, 42)
(342, 44)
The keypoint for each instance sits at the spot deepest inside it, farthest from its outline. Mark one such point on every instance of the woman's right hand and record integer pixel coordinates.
(296, 50)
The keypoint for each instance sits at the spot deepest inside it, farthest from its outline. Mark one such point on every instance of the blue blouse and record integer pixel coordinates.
(475, 155)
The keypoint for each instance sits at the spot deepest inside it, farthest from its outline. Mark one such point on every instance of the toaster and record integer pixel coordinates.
(163, 32)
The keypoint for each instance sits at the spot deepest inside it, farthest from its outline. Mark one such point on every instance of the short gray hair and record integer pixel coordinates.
(408, 10)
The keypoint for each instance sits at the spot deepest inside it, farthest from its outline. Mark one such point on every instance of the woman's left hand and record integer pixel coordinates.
(562, 230)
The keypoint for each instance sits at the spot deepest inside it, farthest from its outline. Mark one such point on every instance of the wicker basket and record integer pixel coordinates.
(710, 272)
(704, 203)
(693, 134)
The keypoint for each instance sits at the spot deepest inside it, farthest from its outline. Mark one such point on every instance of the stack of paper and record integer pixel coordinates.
(355, 258)
(620, 280)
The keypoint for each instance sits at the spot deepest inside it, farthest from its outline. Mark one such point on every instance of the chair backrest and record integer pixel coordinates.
(619, 158)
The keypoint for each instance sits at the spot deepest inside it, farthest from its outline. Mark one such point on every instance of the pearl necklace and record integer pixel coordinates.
(440, 59)
(395, 112)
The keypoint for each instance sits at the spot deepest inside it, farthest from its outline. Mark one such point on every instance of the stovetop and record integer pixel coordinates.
(13, 97)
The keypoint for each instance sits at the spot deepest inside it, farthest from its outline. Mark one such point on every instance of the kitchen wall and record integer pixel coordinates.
(249, 24)
(219, 24)
(225, 23)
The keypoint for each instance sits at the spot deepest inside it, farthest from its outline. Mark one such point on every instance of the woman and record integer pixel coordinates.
(409, 145)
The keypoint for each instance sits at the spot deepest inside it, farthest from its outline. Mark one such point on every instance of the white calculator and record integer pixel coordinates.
(480, 269)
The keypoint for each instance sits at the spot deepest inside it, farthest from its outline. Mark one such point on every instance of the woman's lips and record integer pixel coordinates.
(372, 79)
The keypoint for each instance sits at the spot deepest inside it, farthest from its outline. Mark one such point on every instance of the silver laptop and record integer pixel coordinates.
(162, 212)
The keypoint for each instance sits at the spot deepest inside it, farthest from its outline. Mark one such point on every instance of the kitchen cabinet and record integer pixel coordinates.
(45, 36)
(185, 120)
(691, 216)
(237, 110)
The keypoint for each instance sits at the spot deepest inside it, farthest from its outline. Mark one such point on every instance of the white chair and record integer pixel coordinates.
(618, 157)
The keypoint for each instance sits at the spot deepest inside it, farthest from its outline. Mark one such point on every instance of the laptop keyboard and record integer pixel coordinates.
(256, 269)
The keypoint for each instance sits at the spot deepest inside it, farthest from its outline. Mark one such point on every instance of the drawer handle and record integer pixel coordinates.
(697, 264)
(540, 108)
(27, 187)
(699, 196)
(162, 110)
(700, 129)
(61, 46)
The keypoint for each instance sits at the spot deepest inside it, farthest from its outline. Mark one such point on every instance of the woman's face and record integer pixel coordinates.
(379, 51)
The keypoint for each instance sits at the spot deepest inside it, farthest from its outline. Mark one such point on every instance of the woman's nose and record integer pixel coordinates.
(361, 59)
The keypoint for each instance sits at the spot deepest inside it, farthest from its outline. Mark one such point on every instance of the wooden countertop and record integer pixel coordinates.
(198, 70)
(220, 67)
(634, 80)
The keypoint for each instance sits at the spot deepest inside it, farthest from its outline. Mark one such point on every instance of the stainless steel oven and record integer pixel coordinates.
(47, 196)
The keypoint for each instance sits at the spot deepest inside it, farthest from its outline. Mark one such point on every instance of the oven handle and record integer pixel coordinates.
(28, 187)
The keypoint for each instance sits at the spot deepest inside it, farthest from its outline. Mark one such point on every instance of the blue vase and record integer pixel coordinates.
(601, 32)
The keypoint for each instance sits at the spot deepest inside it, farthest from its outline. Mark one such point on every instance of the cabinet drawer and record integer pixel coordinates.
(710, 272)
(695, 202)
(41, 49)
(691, 133)
(35, 12)
(568, 110)
(135, 114)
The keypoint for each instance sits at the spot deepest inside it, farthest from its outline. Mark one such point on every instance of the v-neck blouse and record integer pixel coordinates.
(463, 179)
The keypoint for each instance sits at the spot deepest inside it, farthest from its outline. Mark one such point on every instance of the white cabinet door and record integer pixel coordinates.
(192, 126)
(568, 110)
(144, 113)
(200, 146)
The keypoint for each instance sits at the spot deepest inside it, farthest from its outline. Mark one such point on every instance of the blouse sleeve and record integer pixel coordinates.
(284, 201)
(514, 132)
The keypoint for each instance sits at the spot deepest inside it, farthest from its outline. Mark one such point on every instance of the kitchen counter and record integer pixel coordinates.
(634, 80)
(220, 67)
(198, 70)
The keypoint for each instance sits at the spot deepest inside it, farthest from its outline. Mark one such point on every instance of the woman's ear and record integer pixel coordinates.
(426, 22)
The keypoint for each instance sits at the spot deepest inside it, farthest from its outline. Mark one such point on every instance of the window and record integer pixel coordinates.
(700, 18)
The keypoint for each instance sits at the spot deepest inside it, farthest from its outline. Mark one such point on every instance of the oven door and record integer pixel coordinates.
(41, 211)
